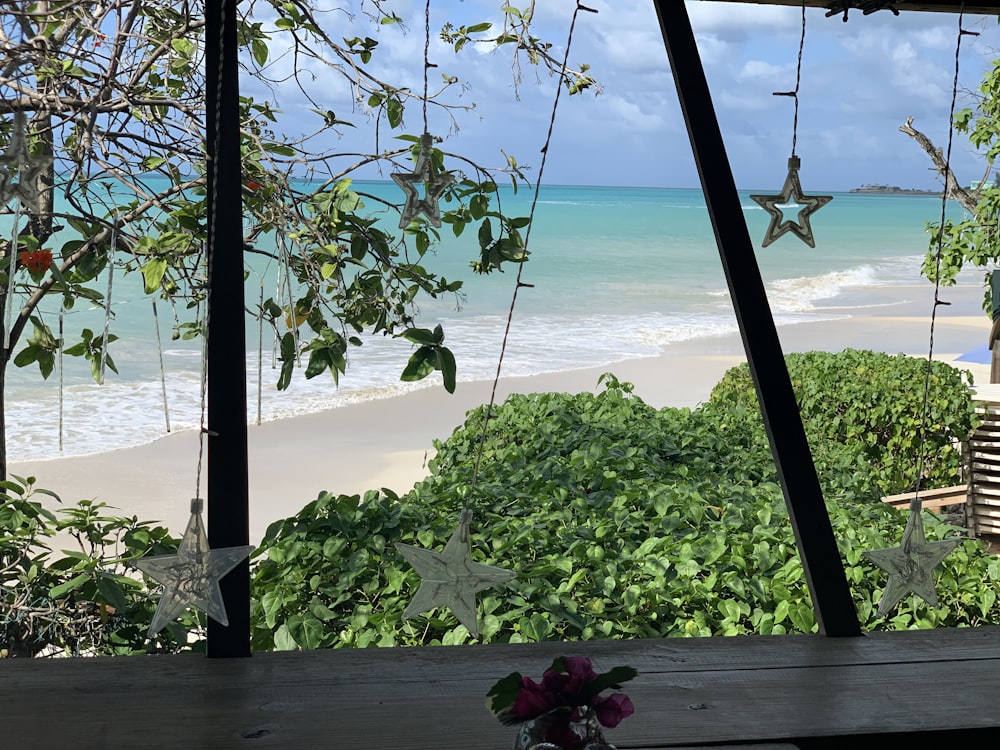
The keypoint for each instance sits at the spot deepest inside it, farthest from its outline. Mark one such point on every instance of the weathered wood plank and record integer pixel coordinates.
(983, 489)
(934, 498)
(690, 692)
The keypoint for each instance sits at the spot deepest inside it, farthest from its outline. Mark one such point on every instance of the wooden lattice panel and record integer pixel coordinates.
(983, 502)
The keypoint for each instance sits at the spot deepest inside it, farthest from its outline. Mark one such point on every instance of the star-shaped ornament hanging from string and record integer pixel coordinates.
(791, 195)
(19, 170)
(435, 183)
(191, 577)
(450, 578)
(911, 565)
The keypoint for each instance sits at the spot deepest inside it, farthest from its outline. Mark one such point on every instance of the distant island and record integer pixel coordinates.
(892, 190)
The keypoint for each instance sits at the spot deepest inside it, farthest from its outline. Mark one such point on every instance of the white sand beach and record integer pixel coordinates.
(386, 443)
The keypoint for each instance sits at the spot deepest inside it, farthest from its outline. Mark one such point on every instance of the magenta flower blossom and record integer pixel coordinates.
(570, 691)
(612, 709)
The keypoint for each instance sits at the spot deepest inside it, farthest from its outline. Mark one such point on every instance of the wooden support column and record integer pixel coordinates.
(817, 547)
(228, 491)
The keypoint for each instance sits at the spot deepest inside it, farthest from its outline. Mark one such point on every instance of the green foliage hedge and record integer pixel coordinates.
(625, 521)
(872, 403)
(621, 521)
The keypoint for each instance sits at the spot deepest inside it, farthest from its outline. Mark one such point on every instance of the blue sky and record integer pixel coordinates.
(860, 81)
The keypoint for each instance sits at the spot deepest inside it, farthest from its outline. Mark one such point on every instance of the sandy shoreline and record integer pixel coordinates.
(385, 443)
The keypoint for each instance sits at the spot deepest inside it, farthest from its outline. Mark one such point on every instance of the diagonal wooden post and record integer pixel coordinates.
(831, 597)
(228, 490)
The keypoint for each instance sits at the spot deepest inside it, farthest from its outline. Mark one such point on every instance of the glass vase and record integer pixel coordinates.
(584, 733)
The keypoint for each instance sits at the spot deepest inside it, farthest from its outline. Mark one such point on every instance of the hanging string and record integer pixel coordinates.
(518, 283)
(293, 316)
(278, 290)
(11, 270)
(916, 503)
(163, 372)
(798, 81)
(209, 256)
(260, 350)
(62, 374)
(427, 55)
(107, 300)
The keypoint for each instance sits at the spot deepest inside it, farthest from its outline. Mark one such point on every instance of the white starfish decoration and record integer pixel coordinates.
(450, 578)
(191, 577)
(435, 183)
(19, 170)
(910, 565)
(791, 195)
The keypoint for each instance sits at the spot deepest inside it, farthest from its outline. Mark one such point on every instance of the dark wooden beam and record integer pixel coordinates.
(228, 491)
(974, 7)
(831, 597)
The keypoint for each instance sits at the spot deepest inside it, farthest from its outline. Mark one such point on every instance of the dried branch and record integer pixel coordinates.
(968, 199)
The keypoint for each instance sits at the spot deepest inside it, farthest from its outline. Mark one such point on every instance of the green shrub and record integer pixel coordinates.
(85, 601)
(621, 521)
(872, 403)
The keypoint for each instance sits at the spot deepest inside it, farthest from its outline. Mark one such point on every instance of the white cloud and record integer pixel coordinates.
(758, 70)
(631, 116)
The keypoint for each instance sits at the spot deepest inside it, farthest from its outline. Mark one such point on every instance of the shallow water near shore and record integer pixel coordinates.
(616, 274)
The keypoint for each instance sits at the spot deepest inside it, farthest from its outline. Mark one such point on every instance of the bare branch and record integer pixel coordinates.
(968, 199)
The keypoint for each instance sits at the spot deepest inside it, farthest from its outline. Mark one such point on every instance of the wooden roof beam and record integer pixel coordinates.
(836, 7)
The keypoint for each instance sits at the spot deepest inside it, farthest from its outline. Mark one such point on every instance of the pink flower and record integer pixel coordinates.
(532, 700)
(612, 709)
(569, 684)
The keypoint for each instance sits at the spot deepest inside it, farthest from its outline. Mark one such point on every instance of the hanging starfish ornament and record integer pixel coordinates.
(910, 565)
(791, 194)
(450, 578)
(19, 170)
(435, 183)
(191, 577)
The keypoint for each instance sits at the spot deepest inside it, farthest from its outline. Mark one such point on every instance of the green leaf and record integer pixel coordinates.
(394, 111)
(58, 592)
(152, 274)
(283, 640)
(500, 698)
(420, 364)
(112, 592)
(26, 356)
(287, 361)
(260, 51)
(612, 679)
(422, 336)
(280, 149)
(446, 364)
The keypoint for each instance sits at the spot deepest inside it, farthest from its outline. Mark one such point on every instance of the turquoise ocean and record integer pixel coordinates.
(617, 273)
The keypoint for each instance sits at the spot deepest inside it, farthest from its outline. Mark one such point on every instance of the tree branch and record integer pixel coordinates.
(968, 199)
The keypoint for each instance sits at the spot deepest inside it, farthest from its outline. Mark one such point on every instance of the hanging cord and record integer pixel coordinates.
(427, 55)
(260, 350)
(209, 257)
(293, 313)
(520, 269)
(916, 503)
(278, 287)
(11, 270)
(163, 372)
(62, 374)
(16, 146)
(107, 300)
(798, 80)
